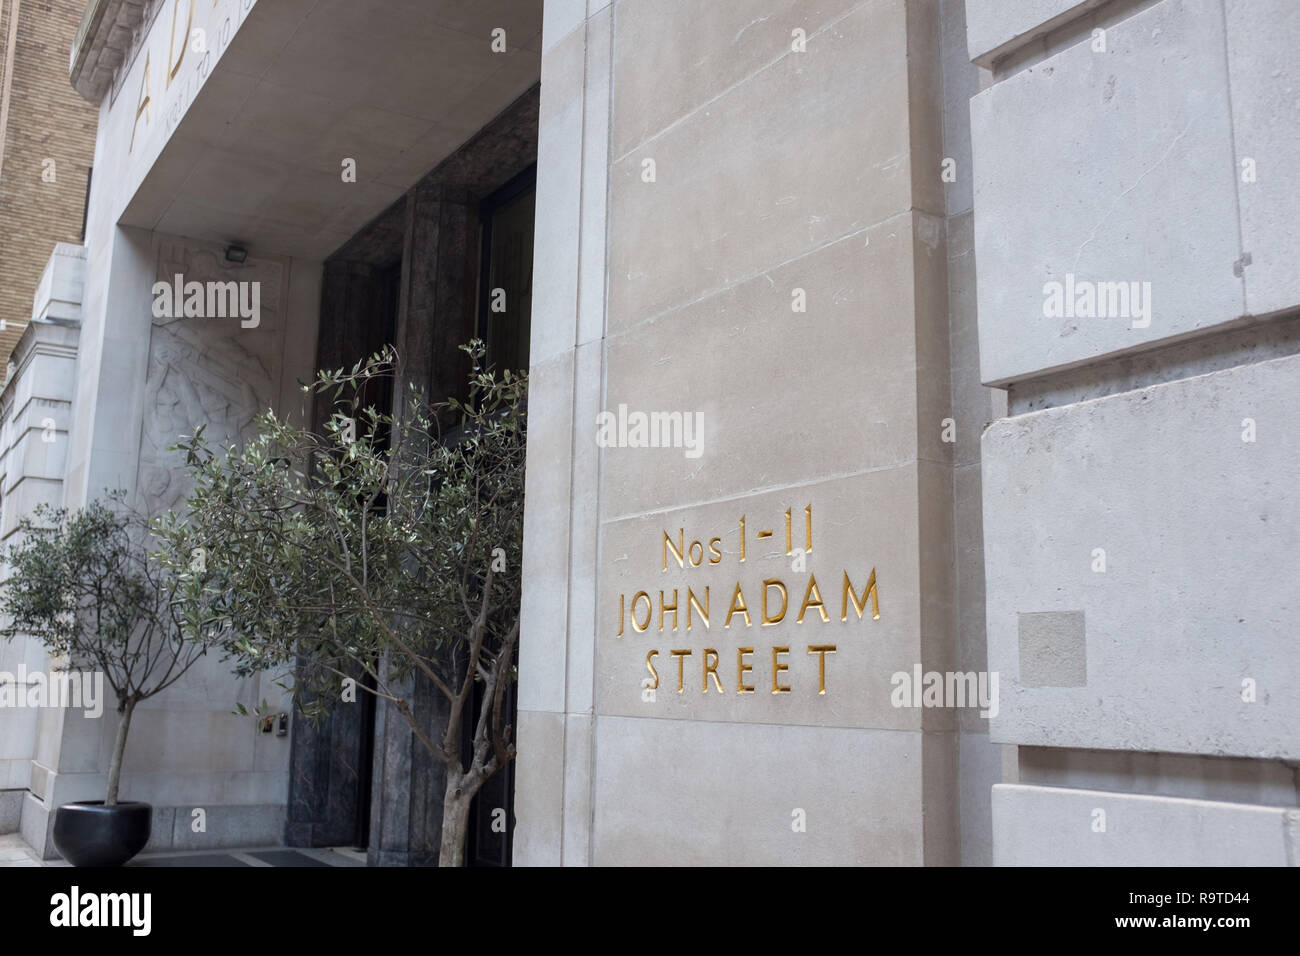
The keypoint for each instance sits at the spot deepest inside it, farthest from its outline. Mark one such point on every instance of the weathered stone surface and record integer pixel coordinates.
(1189, 630)
(995, 28)
(1053, 649)
(737, 791)
(102, 43)
(1261, 39)
(789, 160)
(1056, 826)
(789, 250)
(1111, 168)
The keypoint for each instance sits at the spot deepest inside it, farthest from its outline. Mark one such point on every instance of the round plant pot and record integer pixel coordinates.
(91, 834)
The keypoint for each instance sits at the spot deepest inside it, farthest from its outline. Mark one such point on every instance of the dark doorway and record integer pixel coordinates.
(332, 762)
(506, 283)
(454, 239)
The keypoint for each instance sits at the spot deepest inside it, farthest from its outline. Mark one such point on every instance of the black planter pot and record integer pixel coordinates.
(91, 834)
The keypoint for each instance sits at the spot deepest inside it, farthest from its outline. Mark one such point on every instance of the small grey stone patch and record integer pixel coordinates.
(1053, 649)
(39, 777)
(11, 810)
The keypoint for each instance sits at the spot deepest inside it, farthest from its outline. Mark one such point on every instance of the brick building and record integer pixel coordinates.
(47, 142)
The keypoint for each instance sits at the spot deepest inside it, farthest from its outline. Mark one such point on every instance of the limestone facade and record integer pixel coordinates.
(911, 465)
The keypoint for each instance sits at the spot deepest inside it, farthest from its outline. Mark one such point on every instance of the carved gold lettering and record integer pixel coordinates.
(768, 619)
(771, 610)
(142, 106)
(742, 669)
(711, 669)
(667, 607)
(173, 61)
(860, 606)
(809, 602)
(681, 656)
(821, 650)
(649, 611)
(692, 601)
(678, 550)
(738, 604)
(777, 669)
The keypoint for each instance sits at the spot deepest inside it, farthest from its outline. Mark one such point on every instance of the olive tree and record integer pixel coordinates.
(378, 545)
(92, 585)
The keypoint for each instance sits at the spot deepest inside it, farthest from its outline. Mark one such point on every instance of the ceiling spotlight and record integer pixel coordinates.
(237, 254)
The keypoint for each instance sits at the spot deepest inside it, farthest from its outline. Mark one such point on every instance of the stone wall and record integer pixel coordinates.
(760, 239)
(1140, 504)
(35, 412)
(188, 750)
(974, 407)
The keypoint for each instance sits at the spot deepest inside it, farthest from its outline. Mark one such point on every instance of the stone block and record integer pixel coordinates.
(1057, 826)
(1146, 513)
(557, 243)
(11, 808)
(790, 160)
(1261, 43)
(1106, 179)
(539, 780)
(544, 614)
(857, 794)
(996, 28)
(847, 355)
(673, 56)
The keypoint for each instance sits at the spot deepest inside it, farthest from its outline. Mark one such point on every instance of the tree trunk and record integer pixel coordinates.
(455, 821)
(119, 748)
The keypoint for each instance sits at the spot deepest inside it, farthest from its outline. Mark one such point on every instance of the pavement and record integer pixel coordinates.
(14, 851)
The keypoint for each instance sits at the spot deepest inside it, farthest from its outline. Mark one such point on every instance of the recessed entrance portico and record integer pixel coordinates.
(305, 132)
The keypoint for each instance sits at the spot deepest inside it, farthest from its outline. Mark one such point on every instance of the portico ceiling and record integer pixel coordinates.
(395, 85)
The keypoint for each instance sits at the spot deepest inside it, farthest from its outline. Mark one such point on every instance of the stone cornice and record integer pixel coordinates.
(103, 43)
(58, 339)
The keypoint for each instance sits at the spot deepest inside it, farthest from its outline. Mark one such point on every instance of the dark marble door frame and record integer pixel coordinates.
(433, 235)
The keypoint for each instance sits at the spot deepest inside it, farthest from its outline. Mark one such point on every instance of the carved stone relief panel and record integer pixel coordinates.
(208, 368)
